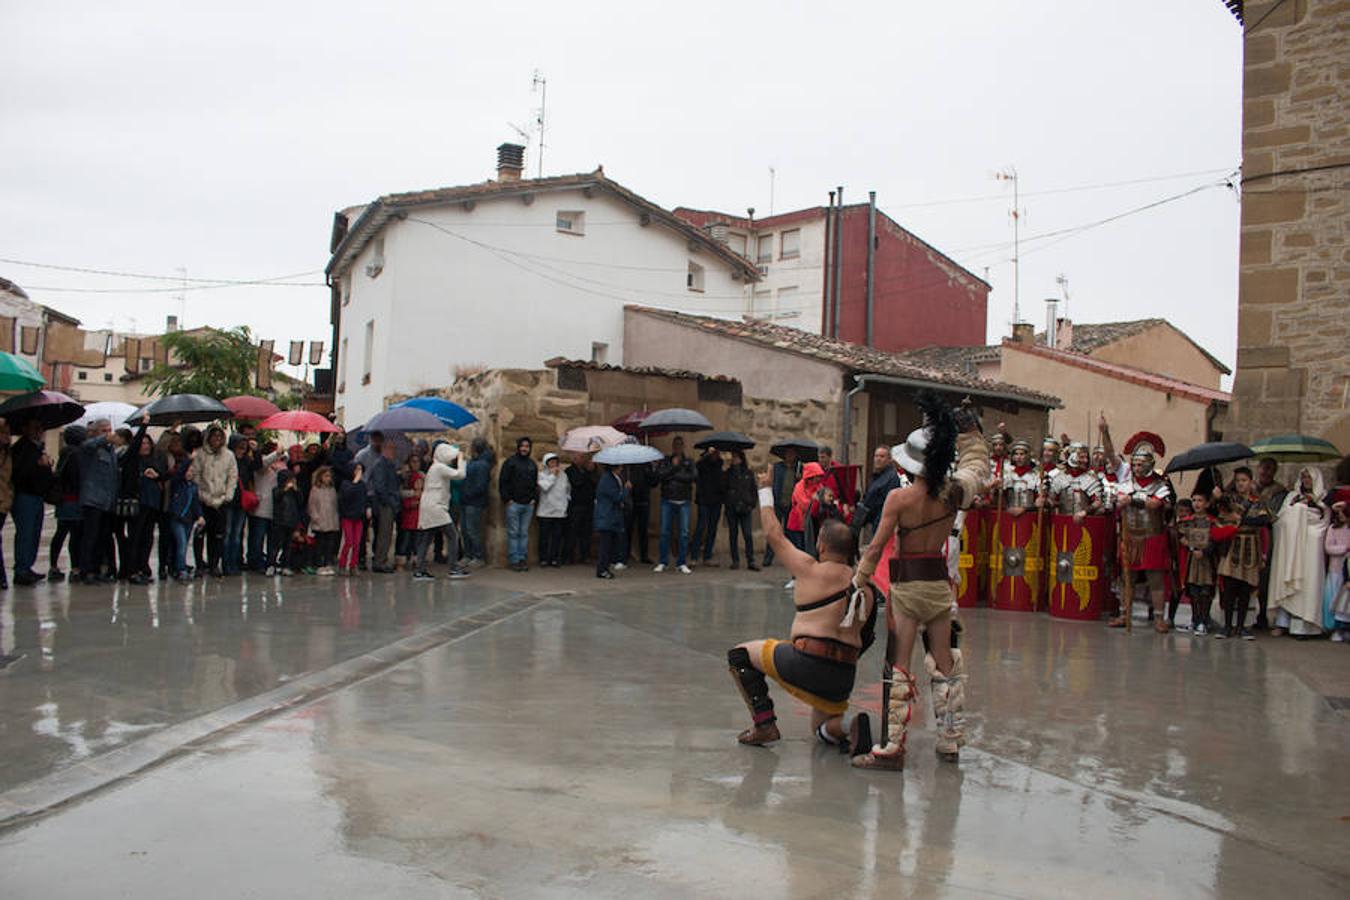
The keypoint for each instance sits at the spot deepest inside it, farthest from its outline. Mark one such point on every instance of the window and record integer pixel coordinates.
(369, 356)
(736, 242)
(760, 302)
(599, 352)
(146, 364)
(107, 376)
(571, 221)
(791, 246)
(342, 368)
(81, 376)
(694, 280)
(787, 301)
(376, 264)
(764, 249)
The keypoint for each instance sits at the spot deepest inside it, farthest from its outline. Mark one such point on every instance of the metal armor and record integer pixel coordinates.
(1139, 520)
(1075, 493)
(1020, 490)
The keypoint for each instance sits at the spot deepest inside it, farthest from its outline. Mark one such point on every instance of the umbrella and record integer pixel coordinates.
(628, 455)
(18, 374)
(726, 440)
(358, 441)
(114, 411)
(629, 424)
(404, 418)
(1205, 455)
(298, 420)
(452, 415)
(246, 406)
(52, 408)
(589, 438)
(1296, 448)
(676, 419)
(807, 449)
(183, 408)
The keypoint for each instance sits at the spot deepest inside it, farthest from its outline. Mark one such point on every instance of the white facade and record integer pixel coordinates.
(791, 259)
(502, 281)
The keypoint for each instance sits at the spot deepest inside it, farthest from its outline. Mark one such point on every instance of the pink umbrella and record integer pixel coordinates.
(298, 420)
(590, 438)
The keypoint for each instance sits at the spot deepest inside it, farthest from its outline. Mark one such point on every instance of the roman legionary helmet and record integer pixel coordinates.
(1019, 444)
(1145, 445)
(1077, 454)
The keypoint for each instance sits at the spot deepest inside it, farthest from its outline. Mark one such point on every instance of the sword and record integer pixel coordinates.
(887, 674)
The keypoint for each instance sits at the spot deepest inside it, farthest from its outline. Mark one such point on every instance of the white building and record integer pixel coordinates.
(506, 274)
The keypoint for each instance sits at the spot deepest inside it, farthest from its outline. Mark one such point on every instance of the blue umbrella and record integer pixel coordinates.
(404, 418)
(452, 415)
(628, 455)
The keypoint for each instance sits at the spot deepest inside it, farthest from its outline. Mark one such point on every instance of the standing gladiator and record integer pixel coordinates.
(920, 518)
(1145, 500)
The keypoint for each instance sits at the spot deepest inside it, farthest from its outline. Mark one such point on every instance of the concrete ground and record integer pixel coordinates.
(546, 734)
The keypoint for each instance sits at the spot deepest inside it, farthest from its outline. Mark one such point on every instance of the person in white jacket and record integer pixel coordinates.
(433, 514)
(555, 493)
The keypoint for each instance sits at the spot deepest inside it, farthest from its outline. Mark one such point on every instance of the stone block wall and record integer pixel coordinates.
(1293, 372)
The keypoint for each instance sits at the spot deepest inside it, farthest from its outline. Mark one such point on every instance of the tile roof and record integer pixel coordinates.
(1140, 377)
(559, 362)
(850, 357)
(964, 360)
(374, 215)
(1091, 336)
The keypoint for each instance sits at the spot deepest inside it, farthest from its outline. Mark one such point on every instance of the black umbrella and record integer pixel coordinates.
(676, 420)
(52, 408)
(1205, 455)
(726, 440)
(807, 449)
(177, 408)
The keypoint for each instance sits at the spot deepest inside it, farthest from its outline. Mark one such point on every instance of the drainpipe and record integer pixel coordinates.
(871, 255)
(848, 414)
(827, 310)
(838, 254)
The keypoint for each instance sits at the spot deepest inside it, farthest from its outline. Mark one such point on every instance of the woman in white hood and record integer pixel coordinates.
(555, 492)
(434, 512)
(1298, 566)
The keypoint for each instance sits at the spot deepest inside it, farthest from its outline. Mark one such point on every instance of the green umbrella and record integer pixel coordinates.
(1295, 448)
(18, 374)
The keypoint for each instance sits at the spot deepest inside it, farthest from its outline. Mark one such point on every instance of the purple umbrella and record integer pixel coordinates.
(404, 418)
(52, 408)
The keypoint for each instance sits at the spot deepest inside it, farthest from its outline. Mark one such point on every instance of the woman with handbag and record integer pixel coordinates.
(127, 509)
(148, 468)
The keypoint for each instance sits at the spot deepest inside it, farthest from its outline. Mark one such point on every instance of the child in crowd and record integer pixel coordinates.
(352, 504)
(555, 492)
(323, 520)
(287, 514)
(1193, 533)
(413, 480)
(1245, 557)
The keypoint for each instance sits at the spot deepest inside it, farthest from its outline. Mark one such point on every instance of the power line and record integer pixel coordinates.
(177, 279)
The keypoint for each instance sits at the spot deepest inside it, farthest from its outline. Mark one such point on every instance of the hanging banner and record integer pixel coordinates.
(263, 369)
(297, 355)
(315, 352)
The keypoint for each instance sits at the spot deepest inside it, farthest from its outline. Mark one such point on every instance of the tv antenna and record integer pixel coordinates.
(1010, 174)
(540, 83)
(1063, 281)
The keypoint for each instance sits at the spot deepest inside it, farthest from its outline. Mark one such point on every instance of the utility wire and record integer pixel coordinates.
(177, 279)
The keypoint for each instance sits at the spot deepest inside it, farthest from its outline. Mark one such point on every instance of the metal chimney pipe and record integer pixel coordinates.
(827, 310)
(1051, 323)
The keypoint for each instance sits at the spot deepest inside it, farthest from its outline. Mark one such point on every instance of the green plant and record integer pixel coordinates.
(215, 362)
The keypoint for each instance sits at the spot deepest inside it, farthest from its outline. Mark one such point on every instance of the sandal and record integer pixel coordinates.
(878, 759)
(759, 735)
(1161, 626)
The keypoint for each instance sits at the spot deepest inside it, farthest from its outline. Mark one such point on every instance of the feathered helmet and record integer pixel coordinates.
(1145, 445)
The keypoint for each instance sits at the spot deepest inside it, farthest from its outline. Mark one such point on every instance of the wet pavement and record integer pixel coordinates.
(583, 745)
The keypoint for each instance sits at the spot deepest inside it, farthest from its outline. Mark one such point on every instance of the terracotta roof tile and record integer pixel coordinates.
(1141, 377)
(559, 362)
(851, 357)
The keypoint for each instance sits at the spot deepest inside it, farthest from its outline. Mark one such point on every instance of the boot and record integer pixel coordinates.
(899, 710)
(949, 701)
(755, 692)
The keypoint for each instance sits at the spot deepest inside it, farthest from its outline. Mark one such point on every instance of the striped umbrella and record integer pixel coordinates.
(1296, 448)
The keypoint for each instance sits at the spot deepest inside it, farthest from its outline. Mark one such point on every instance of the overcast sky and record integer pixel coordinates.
(146, 136)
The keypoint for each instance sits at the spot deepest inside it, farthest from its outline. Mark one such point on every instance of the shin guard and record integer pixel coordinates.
(949, 703)
(753, 687)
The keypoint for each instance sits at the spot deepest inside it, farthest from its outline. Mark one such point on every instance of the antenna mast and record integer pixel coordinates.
(1010, 174)
(1063, 281)
(540, 83)
(772, 174)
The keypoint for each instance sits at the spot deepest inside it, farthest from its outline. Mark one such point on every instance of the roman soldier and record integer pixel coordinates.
(1075, 490)
(1021, 480)
(1145, 500)
(1050, 450)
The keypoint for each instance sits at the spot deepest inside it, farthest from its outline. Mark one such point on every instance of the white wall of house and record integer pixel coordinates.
(511, 291)
(791, 287)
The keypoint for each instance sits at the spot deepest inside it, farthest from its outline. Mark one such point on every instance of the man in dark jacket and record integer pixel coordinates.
(33, 478)
(386, 498)
(518, 486)
(609, 497)
(582, 476)
(711, 491)
(786, 474)
(677, 477)
(741, 500)
(884, 480)
(639, 519)
(473, 497)
(99, 479)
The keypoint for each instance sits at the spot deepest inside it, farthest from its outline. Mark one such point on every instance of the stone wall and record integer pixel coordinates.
(544, 404)
(1293, 372)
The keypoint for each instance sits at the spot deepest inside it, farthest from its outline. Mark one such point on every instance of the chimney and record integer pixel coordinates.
(171, 325)
(1064, 334)
(1024, 333)
(510, 162)
(1051, 317)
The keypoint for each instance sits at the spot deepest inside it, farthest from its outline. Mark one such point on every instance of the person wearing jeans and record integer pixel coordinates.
(711, 495)
(473, 498)
(677, 477)
(32, 478)
(518, 485)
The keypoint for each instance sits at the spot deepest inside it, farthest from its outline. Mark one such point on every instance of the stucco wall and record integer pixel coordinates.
(1086, 395)
(1294, 286)
(762, 371)
(806, 273)
(1166, 352)
(506, 289)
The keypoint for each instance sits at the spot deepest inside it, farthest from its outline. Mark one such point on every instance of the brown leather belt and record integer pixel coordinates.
(831, 650)
(918, 568)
